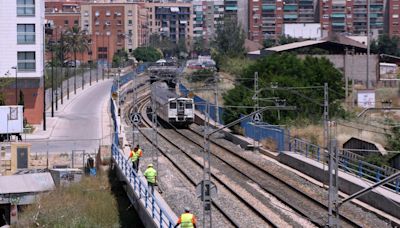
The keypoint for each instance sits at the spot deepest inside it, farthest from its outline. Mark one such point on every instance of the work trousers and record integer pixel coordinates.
(137, 164)
(150, 187)
(134, 166)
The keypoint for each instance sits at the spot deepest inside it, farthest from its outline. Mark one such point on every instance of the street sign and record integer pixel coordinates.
(136, 118)
(257, 118)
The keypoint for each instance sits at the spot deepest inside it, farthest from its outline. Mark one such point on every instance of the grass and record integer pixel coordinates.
(89, 203)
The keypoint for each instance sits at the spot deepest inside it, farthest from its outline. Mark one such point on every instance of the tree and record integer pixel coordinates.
(120, 57)
(21, 98)
(386, 45)
(77, 42)
(287, 71)
(4, 83)
(198, 45)
(147, 54)
(229, 39)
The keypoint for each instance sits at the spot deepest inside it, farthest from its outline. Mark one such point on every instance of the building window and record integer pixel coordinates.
(25, 7)
(395, 16)
(130, 22)
(108, 13)
(119, 22)
(129, 12)
(26, 34)
(26, 61)
(76, 22)
(66, 22)
(86, 13)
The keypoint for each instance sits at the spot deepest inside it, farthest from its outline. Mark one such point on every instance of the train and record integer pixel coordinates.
(172, 108)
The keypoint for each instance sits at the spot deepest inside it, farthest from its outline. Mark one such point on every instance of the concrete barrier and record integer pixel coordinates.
(348, 184)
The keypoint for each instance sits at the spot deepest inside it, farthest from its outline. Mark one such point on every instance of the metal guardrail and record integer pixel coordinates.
(158, 213)
(348, 162)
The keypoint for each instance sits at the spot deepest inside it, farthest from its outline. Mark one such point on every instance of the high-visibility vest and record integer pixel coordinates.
(150, 175)
(139, 153)
(187, 220)
(134, 156)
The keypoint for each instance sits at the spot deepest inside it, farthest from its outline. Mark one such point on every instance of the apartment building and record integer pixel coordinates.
(266, 17)
(172, 20)
(350, 17)
(22, 28)
(207, 15)
(393, 22)
(111, 25)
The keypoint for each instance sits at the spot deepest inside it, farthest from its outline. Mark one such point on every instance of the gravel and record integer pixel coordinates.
(363, 217)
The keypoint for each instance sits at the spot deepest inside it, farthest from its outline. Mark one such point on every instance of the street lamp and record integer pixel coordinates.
(16, 83)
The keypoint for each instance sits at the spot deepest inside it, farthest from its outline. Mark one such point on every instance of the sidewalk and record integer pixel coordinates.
(51, 122)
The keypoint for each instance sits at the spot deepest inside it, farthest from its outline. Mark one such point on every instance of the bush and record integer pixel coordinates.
(89, 203)
(201, 75)
(286, 70)
(234, 66)
(147, 54)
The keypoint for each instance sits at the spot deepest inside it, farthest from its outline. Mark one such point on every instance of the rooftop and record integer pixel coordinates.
(34, 182)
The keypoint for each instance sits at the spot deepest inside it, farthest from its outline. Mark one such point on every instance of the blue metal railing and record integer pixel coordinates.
(348, 162)
(158, 213)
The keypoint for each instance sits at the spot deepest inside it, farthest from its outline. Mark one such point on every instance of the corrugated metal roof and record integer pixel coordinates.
(35, 182)
(295, 45)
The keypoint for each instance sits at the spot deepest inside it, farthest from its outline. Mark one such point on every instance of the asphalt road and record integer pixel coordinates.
(78, 126)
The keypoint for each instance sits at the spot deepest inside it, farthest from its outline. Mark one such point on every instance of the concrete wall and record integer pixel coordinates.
(354, 66)
(145, 217)
(376, 200)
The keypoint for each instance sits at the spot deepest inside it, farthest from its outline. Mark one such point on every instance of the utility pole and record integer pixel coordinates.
(368, 40)
(83, 72)
(154, 156)
(62, 65)
(216, 77)
(52, 79)
(331, 147)
(206, 183)
(256, 105)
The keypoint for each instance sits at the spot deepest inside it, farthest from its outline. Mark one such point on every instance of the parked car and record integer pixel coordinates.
(71, 63)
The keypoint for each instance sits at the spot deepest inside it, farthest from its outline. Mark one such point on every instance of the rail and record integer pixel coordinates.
(158, 213)
(348, 162)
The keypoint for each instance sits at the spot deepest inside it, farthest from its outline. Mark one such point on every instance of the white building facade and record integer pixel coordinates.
(21, 58)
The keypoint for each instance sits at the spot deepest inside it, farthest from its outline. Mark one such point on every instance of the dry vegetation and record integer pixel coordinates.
(269, 144)
(311, 133)
(89, 203)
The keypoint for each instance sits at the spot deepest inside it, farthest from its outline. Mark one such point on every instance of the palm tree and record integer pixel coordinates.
(77, 42)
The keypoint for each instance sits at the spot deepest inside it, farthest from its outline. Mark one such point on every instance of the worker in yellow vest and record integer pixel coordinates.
(187, 219)
(133, 156)
(139, 155)
(151, 176)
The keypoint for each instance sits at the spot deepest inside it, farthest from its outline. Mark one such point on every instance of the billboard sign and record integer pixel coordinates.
(366, 98)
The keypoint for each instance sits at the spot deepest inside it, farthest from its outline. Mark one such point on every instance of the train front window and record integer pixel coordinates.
(172, 105)
(189, 105)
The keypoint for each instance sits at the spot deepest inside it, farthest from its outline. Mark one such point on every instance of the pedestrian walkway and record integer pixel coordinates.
(51, 122)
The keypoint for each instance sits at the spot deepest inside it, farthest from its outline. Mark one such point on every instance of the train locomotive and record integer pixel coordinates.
(172, 108)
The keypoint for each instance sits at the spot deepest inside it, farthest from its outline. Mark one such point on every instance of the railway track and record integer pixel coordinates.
(303, 204)
(194, 183)
(146, 123)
